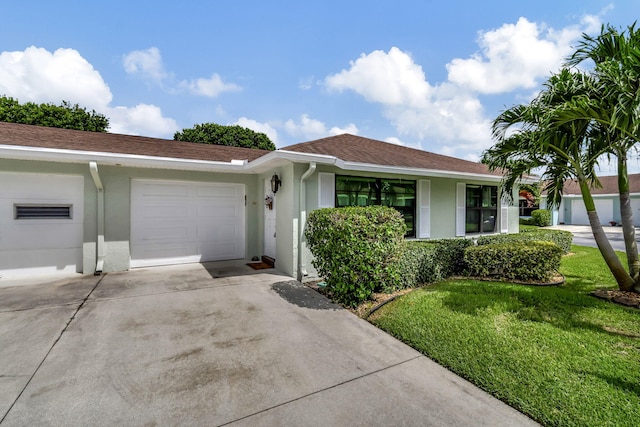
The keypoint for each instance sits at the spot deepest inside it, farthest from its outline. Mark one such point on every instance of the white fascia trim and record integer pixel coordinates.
(131, 160)
(366, 167)
(292, 156)
(572, 196)
(324, 159)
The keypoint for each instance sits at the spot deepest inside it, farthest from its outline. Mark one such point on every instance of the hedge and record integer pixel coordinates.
(524, 260)
(541, 217)
(428, 261)
(561, 238)
(356, 249)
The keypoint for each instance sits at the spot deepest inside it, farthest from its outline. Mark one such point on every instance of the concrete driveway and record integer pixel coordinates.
(214, 345)
(583, 236)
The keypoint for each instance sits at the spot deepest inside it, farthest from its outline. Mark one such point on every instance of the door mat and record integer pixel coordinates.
(259, 265)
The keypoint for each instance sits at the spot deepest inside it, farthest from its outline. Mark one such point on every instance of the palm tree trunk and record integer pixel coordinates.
(624, 280)
(626, 218)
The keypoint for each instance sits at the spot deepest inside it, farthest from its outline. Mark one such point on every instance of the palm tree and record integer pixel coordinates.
(614, 109)
(529, 137)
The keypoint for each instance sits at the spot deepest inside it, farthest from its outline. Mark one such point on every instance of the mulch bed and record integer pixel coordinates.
(629, 299)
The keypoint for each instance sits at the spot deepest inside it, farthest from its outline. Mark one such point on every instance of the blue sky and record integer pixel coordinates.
(426, 74)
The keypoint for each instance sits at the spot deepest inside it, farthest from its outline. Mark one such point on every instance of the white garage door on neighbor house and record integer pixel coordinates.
(579, 216)
(41, 224)
(176, 222)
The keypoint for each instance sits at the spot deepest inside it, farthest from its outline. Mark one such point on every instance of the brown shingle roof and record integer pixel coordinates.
(352, 148)
(347, 147)
(65, 139)
(609, 185)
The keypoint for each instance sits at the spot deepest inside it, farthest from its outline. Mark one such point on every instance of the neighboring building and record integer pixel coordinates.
(73, 201)
(607, 201)
(526, 204)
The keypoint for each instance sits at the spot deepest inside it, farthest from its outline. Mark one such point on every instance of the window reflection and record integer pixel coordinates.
(364, 191)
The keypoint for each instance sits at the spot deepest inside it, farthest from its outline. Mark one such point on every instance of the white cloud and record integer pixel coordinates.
(211, 87)
(37, 75)
(449, 117)
(147, 63)
(256, 126)
(350, 128)
(447, 120)
(143, 119)
(308, 128)
(443, 113)
(388, 78)
(395, 140)
(516, 56)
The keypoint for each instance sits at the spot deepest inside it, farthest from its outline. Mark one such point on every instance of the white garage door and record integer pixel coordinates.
(177, 222)
(635, 209)
(41, 224)
(604, 207)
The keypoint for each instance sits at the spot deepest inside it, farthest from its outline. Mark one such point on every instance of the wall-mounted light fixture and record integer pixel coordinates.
(275, 183)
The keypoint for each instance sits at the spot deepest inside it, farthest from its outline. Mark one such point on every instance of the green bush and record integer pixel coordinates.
(534, 260)
(428, 261)
(541, 217)
(356, 249)
(561, 238)
(526, 221)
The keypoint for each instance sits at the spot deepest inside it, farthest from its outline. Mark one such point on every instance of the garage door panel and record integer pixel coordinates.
(163, 210)
(220, 251)
(222, 235)
(635, 210)
(160, 233)
(218, 192)
(205, 225)
(579, 216)
(217, 212)
(162, 189)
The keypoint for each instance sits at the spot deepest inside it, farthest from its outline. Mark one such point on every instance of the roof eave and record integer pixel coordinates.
(401, 170)
(278, 157)
(116, 159)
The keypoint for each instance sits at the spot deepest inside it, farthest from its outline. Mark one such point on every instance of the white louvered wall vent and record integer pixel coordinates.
(43, 211)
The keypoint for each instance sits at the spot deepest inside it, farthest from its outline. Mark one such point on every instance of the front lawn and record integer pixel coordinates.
(557, 354)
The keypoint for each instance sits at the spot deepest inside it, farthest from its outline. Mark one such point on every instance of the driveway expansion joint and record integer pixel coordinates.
(73, 316)
(359, 377)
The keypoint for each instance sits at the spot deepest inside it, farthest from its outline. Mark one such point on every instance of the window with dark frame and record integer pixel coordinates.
(399, 194)
(42, 211)
(481, 208)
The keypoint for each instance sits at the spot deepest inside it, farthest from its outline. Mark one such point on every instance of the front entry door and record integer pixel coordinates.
(269, 222)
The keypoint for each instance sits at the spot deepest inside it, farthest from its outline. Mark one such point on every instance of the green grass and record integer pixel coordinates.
(556, 354)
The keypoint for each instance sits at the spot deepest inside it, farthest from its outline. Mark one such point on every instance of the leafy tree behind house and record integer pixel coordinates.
(64, 116)
(233, 136)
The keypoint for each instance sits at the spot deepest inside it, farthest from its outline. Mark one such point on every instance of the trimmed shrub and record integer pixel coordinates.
(535, 260)
(526, 221)
(356, 249)
(451, 255)
(541, 217)
(561, 238)
(428, 261)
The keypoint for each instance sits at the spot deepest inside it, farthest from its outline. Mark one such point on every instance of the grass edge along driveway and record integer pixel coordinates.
(557, 354)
